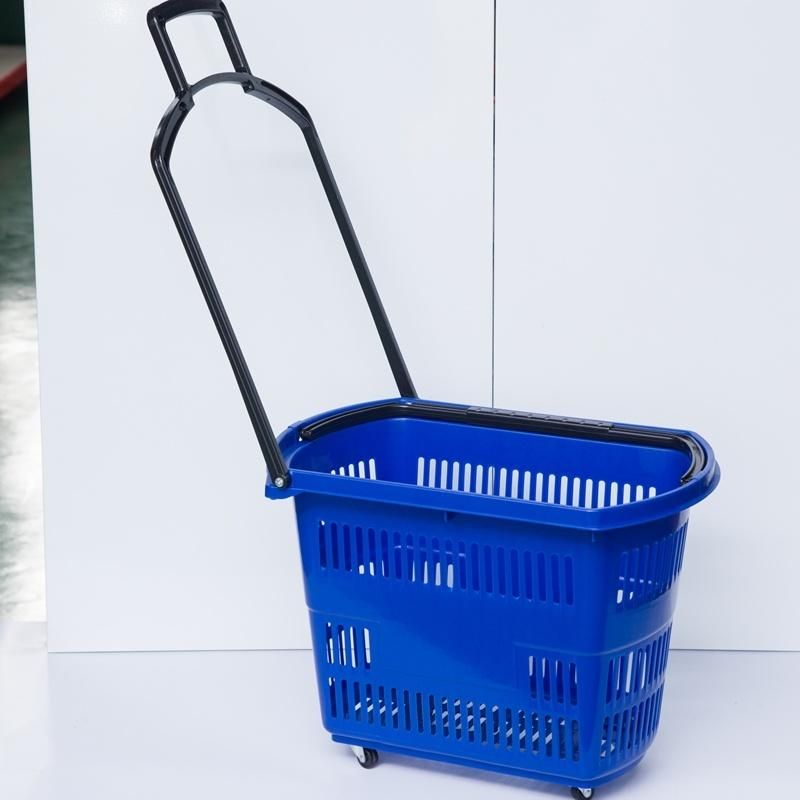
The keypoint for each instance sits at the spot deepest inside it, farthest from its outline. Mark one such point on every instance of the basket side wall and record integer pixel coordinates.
(516, 645)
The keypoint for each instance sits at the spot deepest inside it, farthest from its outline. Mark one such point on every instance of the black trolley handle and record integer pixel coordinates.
(157, 19)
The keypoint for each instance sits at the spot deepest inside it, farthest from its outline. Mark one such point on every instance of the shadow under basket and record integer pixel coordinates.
(487, 588)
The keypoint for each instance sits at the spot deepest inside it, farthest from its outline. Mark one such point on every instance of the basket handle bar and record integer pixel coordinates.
(157, 19)
(160, 153)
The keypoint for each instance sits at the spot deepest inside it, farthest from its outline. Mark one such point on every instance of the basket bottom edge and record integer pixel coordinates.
(488, 766)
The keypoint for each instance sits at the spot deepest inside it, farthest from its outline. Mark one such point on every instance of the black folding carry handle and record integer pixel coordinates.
(157, 19)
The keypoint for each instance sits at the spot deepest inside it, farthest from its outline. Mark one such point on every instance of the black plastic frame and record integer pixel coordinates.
(160, 153)
(515, 420)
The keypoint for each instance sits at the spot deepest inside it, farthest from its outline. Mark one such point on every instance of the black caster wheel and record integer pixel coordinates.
(366, 756)
(581, 794)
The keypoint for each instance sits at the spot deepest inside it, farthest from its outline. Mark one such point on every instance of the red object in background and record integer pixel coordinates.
(12, 68)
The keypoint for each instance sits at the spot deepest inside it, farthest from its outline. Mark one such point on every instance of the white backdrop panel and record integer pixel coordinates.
(648, 164)
(157, 533)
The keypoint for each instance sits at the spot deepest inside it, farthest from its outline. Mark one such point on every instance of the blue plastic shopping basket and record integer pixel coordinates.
(487, 588)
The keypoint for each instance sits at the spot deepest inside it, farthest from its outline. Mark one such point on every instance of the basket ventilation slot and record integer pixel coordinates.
(360, 469)
(491, 726)
(635, 672)
(624, 732)
(634, 689)
(448, 565)
(552, 680)
(541, 487)
(347, 646)
(647, 572)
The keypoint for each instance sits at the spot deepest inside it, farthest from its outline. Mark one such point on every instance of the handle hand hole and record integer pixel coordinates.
(199, 46)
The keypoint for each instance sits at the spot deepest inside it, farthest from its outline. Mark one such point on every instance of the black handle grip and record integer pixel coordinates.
(517, 420)
(159, 16)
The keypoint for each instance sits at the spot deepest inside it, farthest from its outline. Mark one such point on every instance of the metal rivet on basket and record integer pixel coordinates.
(280, 482)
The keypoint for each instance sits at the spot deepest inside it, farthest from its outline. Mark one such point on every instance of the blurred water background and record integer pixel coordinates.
(21, 539)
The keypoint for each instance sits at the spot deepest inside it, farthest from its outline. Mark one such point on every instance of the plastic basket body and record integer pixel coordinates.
(449, 623)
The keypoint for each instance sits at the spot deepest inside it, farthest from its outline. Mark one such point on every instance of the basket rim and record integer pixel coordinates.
(690, 492)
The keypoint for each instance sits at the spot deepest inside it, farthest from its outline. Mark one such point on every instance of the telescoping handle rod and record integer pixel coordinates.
(163, 142)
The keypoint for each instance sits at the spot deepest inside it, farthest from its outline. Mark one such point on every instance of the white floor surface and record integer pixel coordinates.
(246, 725)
